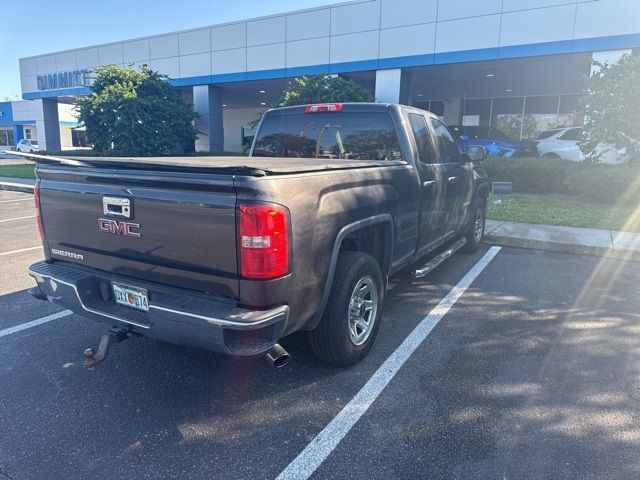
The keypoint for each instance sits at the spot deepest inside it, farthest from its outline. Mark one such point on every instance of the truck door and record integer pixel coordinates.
(433, 208)
(457, 176)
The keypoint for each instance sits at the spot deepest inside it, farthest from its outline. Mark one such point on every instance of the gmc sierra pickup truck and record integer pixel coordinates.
(232, 254)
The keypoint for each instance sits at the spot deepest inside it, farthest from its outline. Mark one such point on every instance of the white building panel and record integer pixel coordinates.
(164, 46)
(229, 61)
(66, 61)
(354, 47)
(397, 13)
(136, 50)
(313, 24)
(538, 26)
(393, 41)
(111, 54)
(453, 9)
(88, 58)
(511, 5)
(607, 18)
(266, 30)
(266, 57)
(195, 65)
(357, 17)
(195, 41)
(46, 64)
(468, 34)
(227, 37)
(29, 84)
(167, 66)
(313, 51)
(28, 66)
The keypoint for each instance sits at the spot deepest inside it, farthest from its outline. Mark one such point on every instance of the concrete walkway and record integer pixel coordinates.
(586, 241)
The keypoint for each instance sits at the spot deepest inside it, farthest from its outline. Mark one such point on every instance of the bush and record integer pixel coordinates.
(599, 183)
(607, 183)
(531, 175)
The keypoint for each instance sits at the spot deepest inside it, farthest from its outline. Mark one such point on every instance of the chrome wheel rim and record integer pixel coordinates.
(363, 307)
(478, 226)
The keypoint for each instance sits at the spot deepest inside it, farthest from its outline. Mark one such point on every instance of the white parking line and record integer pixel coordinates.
(17, 200)
(303, 466)
(34, 323)
(17, 218)
(19, 251)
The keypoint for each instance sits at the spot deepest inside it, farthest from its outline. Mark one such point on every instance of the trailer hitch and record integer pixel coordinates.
(92, 356)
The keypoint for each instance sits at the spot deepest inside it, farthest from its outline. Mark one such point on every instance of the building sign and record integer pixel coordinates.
(70, 79)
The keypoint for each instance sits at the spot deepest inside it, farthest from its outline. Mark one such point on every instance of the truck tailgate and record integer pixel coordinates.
(181, 228)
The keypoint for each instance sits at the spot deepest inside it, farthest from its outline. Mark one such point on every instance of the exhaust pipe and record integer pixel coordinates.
(277, 356)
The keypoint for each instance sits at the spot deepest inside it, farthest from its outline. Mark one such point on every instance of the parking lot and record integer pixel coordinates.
(534, 372)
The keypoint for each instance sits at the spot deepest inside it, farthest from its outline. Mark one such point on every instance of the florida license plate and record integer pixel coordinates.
(131, 297)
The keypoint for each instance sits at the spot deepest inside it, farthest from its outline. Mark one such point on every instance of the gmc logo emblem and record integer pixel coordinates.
(115, 227)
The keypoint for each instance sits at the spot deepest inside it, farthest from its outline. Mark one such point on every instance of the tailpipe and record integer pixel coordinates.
(277, 356)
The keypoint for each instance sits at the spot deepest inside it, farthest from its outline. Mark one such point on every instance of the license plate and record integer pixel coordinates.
(131, 297)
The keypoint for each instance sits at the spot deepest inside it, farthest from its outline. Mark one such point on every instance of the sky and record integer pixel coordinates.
(54, 25)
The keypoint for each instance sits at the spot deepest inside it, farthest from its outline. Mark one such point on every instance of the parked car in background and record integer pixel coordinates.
(496, 142)
(562, 143)
(26, 145)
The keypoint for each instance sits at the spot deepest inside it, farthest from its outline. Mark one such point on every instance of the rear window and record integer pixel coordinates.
(335, 135)
(547, 134)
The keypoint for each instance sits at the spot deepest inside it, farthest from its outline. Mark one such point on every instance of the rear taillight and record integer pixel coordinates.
(323, 108)
(264, 240)
(36, 201)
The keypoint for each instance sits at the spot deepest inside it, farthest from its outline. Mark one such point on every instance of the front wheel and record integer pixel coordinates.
(351, 318)
(475, 230)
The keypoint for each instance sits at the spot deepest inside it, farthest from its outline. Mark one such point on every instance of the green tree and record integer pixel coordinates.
(135, 112)
(611, 105)
(323, 89)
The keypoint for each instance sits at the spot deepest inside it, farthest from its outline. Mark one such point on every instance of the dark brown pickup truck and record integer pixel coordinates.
(232, 254)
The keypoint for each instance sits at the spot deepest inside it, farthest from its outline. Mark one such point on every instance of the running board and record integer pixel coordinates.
(435, 261)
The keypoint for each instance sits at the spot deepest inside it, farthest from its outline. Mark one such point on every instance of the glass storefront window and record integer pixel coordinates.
(507, 115)
(540, 114)
(477, 112)
(6, 137)
(568, 115)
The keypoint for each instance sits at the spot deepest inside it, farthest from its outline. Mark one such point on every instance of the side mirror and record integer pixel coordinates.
(476, 153)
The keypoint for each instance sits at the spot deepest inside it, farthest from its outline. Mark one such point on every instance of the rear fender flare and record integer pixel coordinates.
(344, 232)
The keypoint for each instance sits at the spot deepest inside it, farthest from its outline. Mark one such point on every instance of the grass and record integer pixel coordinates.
(564, 210)
(18, 171)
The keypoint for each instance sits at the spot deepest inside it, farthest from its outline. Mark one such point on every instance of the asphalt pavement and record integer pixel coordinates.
(534, 372)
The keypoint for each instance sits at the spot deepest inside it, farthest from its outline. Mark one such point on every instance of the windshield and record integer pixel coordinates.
(547, 134)
(339, 135)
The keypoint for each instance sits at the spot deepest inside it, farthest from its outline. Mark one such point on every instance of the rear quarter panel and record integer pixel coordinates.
(321, 205)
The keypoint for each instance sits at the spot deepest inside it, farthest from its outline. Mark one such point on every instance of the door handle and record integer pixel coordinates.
(453, 179)
(428, 183)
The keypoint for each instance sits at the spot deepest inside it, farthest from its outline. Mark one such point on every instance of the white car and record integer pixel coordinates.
(26, 145)
(562, 143)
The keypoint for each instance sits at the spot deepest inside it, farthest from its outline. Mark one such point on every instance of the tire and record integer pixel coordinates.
(475, 230)
(552, 156)
(340, 338)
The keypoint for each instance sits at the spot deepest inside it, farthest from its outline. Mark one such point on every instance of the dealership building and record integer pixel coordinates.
(518, 65)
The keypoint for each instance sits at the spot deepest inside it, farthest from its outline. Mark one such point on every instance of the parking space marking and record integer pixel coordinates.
(34, 323)
(303, 466)
(16, 200)
(17, 218)
(19, 251)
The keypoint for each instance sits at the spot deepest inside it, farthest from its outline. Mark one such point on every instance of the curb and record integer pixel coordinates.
(561, 247)
(16, 187)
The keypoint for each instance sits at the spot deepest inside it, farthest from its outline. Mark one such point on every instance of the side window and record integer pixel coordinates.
(421, 135)
(448, 150)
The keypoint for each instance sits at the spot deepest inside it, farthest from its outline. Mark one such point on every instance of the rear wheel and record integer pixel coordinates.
(552, 156)
(475, 230)
(351, 318)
